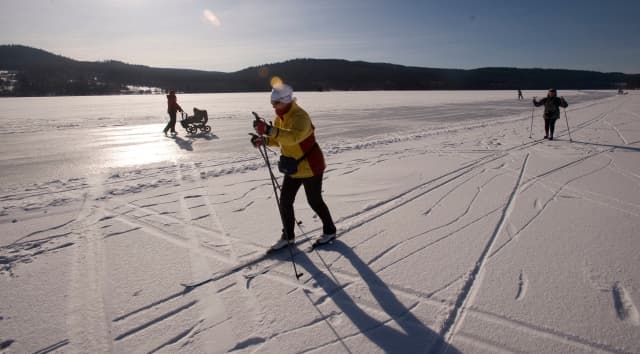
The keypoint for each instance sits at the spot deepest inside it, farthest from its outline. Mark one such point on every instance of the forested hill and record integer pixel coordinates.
(26, 71)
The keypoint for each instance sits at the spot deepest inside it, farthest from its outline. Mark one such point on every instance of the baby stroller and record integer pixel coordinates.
(197, 121)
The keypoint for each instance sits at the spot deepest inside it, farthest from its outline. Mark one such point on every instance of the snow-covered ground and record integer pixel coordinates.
(457, 232)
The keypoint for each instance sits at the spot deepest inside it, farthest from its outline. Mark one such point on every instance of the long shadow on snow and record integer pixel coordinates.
(183, 144)
(206, 136)
(415, 337)
(621, 147)
(187, 144)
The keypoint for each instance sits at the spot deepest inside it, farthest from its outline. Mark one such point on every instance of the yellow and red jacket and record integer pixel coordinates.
(294, 133)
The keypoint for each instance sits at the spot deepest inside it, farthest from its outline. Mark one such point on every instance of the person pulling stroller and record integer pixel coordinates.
(552, 104)
(172, 108)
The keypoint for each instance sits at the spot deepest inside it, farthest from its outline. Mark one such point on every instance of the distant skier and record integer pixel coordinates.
(294, 133)
(552, 105)
(520, 97)
(172, 108)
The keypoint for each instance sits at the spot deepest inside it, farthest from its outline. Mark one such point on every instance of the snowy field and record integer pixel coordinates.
(457, 231)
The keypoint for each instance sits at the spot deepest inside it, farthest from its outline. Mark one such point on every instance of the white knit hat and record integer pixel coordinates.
(282, 93)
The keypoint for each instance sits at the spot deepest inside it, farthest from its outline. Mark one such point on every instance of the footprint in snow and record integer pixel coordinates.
(626, 311)
(537, 204)
(522, 286)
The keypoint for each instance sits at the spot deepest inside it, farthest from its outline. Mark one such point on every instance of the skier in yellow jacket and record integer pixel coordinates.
(302, 162)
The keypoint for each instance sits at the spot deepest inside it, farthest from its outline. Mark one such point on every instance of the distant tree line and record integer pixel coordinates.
(36, 72)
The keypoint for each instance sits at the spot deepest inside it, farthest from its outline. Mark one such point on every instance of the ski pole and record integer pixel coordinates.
(298, 222)
(531, 128)
(567, 120)
(265, 156)
(275, 192)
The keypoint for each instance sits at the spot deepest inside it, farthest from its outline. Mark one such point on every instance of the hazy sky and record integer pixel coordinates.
(229, 35)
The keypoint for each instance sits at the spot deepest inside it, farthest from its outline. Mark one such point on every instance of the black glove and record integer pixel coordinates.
(256, 141)
(563, 102)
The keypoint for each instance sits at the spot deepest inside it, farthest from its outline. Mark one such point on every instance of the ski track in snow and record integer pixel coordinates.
(469, 291)
(102, 208)
(435, 241)
(624, 141)
(543, 207)
(89, 329)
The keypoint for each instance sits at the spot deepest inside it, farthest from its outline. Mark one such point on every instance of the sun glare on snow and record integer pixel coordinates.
(136, 145)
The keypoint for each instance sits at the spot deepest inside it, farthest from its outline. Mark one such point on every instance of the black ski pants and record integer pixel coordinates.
(313, 190)
(549, 127)
(172, 123)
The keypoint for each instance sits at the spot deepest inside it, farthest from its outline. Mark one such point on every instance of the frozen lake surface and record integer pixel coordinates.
(63, 137)
(459, 229)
